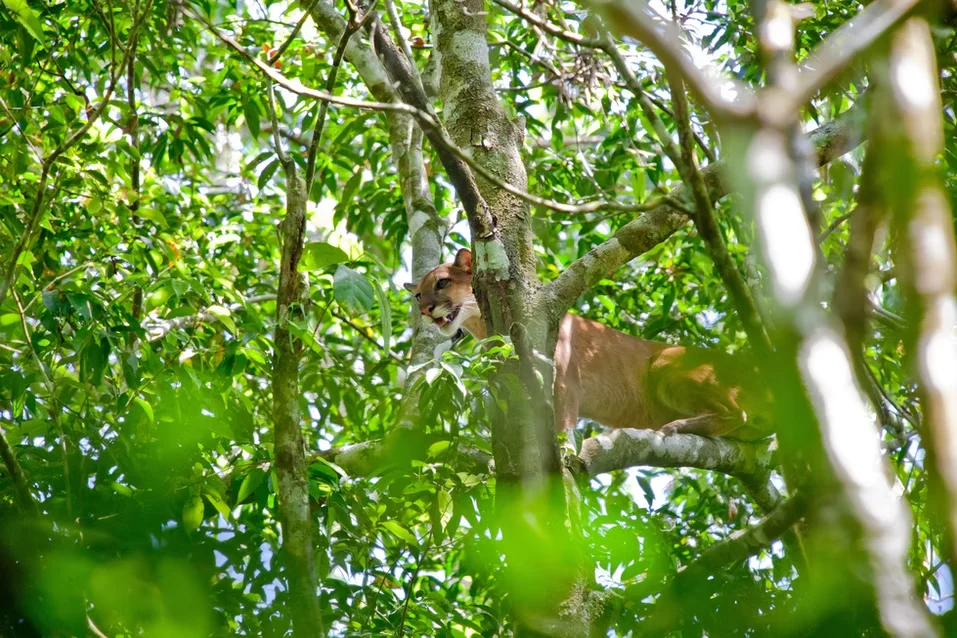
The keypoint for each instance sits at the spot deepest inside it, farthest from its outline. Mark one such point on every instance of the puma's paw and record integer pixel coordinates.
(668, 429)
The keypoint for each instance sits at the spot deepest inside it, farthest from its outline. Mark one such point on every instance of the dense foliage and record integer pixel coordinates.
(136, 337)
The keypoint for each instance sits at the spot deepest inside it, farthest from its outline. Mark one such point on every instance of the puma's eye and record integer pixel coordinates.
(442, 283)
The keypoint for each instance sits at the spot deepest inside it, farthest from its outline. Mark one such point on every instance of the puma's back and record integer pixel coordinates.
(616, 379)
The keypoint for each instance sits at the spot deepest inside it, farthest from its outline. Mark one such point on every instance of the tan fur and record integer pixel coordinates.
(616, 379)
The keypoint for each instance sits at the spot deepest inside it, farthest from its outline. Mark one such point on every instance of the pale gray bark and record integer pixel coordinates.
(427, 229)
(620, 449)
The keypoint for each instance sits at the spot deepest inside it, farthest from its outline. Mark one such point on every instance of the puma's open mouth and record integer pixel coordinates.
(447, 319)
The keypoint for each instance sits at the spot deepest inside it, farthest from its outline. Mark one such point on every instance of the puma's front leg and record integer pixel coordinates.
(704, 425)
(567, 390)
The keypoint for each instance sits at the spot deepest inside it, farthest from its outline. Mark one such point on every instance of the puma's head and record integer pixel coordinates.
(445, 296)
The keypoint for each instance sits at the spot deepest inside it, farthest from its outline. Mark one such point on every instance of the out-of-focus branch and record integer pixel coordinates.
(17, 475)
(831, 139)
(636, 19)
(843, 46)
(851, 299)
(928, 255)
(846, 483)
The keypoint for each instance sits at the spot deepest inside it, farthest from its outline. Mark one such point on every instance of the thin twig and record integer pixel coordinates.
(702, 143)
(292, 36)
(351, 27)
(54, 413)
(396, 24)
(436, 132)
(709, 229)
(666, 40)
(47, 166)
(834, 225)
(548, 27)
(365, 335)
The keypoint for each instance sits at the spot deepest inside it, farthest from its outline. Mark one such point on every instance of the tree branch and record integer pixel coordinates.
(409, 87)
(426, 228)
(847, 484)
(353, 25)
(292, 36)
(608, 452)
(832, 140)
(924, 241)
(627, 447)
(17, 475)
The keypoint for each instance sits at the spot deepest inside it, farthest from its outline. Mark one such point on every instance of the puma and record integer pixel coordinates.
(615, 379)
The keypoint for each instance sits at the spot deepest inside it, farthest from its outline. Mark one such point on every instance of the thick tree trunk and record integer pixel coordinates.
(547, 576)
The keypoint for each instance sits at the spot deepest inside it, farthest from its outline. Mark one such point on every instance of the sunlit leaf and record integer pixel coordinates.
(27, 17)
(319, 254)
(353, 291)
(193, 512)
(250, 484)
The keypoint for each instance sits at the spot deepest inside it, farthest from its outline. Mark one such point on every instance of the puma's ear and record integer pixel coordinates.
(410, 287)
(463, 259)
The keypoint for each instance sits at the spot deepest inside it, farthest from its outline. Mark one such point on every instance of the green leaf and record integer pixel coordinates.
(319, 254)
(349, 190)
(385, 318)
(445, 506)
(147, 212)
(251, 114)
(122, 490)
(27, 17)
(217, 501)
(437, 448)
(267, 174)
(146, 407)
(352, 290)
(251, 483)
(396, 529)
(223, 314)
(193, 512)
